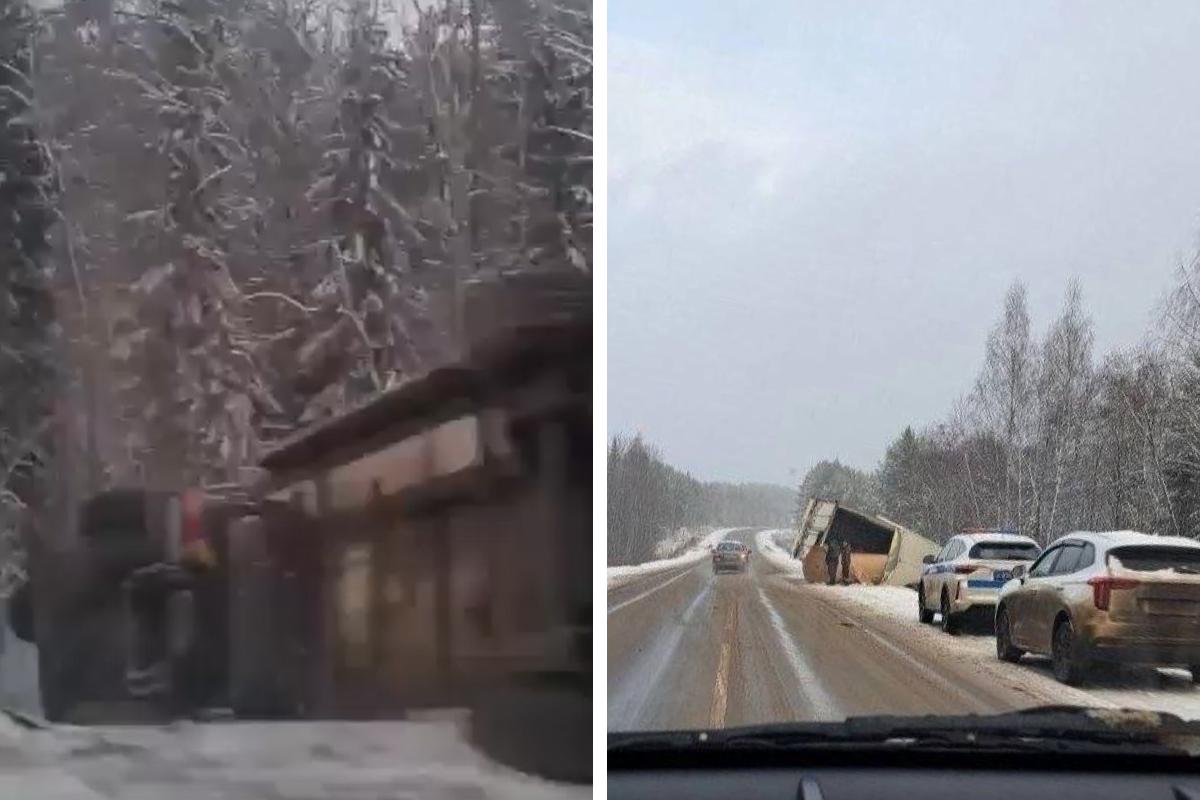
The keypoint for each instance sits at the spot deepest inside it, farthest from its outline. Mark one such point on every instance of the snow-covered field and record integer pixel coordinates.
(259, 760)
(699, 550)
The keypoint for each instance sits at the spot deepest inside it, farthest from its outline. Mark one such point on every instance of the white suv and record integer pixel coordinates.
(967, 574)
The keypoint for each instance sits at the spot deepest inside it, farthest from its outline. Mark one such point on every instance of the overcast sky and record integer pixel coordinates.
(816, 208)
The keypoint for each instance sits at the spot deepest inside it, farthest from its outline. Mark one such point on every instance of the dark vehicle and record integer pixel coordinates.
(730, 556)
(368, 568)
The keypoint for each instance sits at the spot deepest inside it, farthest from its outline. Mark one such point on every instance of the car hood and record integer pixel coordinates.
(1044, 730)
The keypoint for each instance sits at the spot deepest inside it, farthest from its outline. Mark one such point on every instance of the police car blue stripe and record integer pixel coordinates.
(984, 584)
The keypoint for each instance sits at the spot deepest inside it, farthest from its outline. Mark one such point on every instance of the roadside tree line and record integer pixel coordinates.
(649, 500)
(1052, 437)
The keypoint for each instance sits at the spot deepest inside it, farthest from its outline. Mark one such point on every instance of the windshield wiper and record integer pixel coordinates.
(1046, 729)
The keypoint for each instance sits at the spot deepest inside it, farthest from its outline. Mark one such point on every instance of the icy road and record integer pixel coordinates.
(689, 649)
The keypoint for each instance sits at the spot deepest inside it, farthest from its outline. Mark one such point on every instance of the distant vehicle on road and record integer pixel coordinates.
(1122, 597)
(966, 576)
(730, 555)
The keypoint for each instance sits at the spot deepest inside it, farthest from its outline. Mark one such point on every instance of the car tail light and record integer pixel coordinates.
(1102, 589)
(964, 569)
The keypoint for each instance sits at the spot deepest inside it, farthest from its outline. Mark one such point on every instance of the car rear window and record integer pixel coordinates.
(729, 546)
(1005, 551)
(1151, 558)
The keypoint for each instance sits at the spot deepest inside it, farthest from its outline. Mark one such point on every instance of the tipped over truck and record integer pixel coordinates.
(427, 549)
(883, 551)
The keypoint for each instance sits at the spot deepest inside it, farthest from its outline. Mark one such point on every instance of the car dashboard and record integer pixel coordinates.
(855, 783)
(856, 772)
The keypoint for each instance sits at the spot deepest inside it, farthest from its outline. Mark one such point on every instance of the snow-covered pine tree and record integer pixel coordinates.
(27, 324)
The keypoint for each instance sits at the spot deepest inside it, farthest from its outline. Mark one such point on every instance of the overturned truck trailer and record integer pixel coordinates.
(884, 552)
(429, 548)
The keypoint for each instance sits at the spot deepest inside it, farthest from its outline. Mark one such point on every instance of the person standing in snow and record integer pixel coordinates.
(831, 561)
(846, 551)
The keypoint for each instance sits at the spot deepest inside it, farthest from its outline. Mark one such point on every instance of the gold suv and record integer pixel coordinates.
(1122, 597)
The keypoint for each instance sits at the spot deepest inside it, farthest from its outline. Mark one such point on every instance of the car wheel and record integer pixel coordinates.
(1069, 668)
(1005, 650)
(923, 613)
(949, 621)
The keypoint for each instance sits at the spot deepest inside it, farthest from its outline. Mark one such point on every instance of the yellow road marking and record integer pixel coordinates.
(721, 690)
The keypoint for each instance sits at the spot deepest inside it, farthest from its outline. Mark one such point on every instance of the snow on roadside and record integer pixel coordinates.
(769, 546)
(253, 760)
(621, 575)
(1166, 690)
(895, 602)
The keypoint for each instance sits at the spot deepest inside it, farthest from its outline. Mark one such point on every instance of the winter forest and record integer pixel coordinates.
(223, 220)
(649, 501)
(1053, 437)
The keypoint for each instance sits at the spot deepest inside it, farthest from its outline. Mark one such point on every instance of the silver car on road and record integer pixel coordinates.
(730, 556)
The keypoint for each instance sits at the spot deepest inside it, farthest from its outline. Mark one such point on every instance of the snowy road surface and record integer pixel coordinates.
(689, 649)
(281, 761)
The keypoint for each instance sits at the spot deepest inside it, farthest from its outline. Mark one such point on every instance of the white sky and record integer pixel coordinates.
(847, 189)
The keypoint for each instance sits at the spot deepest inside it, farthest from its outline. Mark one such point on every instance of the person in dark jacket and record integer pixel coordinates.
(846, 551)
(832, 548)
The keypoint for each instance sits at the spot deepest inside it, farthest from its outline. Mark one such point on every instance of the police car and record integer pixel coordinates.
(967, 574)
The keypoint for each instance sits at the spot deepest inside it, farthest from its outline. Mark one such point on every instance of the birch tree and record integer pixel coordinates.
(1004, 393)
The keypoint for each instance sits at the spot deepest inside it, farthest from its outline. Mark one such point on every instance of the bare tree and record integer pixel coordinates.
(1004, 393)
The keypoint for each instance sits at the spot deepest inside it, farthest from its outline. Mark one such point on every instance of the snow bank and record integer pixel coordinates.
(773, 546)
(620, 575)
(896, 602)
(679, 542)
(260, 760)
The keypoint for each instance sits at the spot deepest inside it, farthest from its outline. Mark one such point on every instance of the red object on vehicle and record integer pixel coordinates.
(192, 506)
(1103, 586)
(964, 569)
(193, 544)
